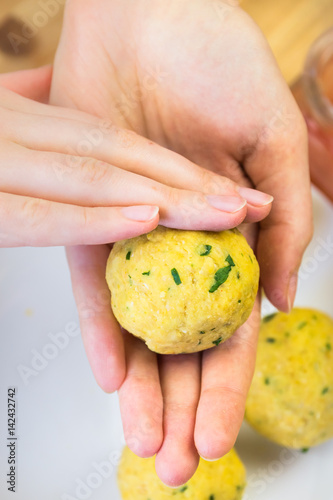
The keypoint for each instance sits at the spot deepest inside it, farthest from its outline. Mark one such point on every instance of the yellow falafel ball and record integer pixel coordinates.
(224, 479)
(182, 291)
(291, 397)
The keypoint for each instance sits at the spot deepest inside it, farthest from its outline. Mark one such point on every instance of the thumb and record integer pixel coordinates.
(32, 83)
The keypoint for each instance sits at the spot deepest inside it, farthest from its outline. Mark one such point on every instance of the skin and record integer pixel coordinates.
(220, 101)
(43, 207)
(53, 194)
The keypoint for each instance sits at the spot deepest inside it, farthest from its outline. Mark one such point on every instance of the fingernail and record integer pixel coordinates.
(210, 459)
(141, 213)
(255, 197)
(292, 288)
(229, 204)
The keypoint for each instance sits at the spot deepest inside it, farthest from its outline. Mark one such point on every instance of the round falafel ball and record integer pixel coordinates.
(183, 291)
(291, 397)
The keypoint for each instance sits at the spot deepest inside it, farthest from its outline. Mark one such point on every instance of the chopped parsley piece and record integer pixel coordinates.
(325, 390)
(128, 255)
(213, 329)
(130, 279)
(302, 325)
(199, 342)
(304, 450)
(238, 275)
(239, 301)
(267, 381)
(218, 341)
(250, 258)
(230, 261)
(201, 332)
(211, 497)
(268, 318)
(175, 276)
(328, 346)
(147, 273)
(183, 488)
(205, 250)
(270, 340)
(240, 487)
(220, 277)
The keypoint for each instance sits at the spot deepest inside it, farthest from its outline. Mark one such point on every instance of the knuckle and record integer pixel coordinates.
(94, 172)
(35, 211)
(172, 196)
(86, 217)
(174, 408)
(208, 182)
(124, 138)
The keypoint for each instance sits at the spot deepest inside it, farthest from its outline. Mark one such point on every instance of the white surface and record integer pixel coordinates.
(65, 422)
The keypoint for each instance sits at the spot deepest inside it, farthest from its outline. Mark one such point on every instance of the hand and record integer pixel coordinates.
(51, 193)
(198, 78)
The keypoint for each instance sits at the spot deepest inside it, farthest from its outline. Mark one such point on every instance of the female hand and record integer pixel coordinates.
(68, 178)
(197, 77)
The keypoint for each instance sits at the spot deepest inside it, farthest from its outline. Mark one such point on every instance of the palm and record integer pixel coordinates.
(188, 95)
(182, 75)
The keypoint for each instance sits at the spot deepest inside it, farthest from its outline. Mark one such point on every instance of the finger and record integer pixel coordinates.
(227, 372)
(101, 333)
(178, 459)
(128, 151)
(280, 168)
(140, 399)
(28, 221)
(96, 184)
(33, 84)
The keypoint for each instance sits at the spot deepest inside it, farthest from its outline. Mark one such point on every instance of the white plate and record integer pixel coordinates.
(67, 428)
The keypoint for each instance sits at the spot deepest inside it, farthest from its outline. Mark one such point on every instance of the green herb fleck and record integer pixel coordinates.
(325, 390)
(270, 340)
(302, 325)
(240, 487)
(130, 279)
(267, 381)
(304, 450)
(128, 255)
(205, 250)
(213, 329)
(250, 258)
(175, 276)
(230, 261)
(269, 317)
(239, 301)
(220, 277)
(183, 488)
(201, 332)
(218, 341)
(211, 497)
(238, 275)
(147, 273)
(199, 343)
(328, 346)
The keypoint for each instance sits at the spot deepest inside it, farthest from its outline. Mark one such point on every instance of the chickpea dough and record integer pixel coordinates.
(223, 479)
(291, 397)
(183, 291)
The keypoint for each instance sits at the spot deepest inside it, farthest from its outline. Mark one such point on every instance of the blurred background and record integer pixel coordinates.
(30, 30)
